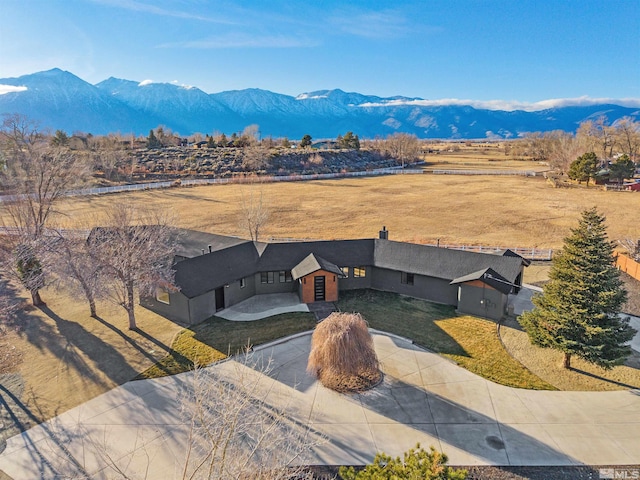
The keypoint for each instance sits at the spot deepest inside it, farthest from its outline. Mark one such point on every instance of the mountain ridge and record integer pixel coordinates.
(58, 99)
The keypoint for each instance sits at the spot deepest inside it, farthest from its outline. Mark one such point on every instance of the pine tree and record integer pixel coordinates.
(584, 167)
(417, 463)
(577, 312)
(306, 141)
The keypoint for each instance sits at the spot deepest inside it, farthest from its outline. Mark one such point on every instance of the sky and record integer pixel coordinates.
(491, 52)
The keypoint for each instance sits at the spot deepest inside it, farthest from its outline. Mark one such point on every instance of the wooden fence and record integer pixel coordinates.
(628, 265)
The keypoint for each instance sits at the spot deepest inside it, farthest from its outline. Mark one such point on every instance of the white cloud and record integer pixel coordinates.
(509, 105)
(140, 6)
(11, 89)
(243, 40)
(372, 24)
(145, 82)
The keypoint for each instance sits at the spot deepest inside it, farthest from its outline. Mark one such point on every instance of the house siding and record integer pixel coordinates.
(354, 283)
(275, 287)
(177, 309)
(234, 294)
(202, 307)
(307, 291)
(477, 298)
(426, 288)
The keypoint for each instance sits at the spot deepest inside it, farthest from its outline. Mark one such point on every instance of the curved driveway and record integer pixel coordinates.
(423, 398)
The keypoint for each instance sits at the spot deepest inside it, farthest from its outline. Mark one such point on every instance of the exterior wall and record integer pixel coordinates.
(477, 298)
(425, 288)
(354, 283)
(275, 287)
(307, 289)
(177, 309)
(202, 307)
(234, 294)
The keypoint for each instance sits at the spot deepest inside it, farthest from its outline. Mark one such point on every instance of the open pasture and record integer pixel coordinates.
(476, 210)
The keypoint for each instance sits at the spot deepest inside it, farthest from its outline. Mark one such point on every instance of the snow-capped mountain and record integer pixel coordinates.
(60, 100)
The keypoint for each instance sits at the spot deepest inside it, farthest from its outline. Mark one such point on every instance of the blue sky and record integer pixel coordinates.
(515, 51)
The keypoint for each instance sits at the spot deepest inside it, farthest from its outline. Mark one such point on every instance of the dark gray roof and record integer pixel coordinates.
(202, 274)
(343, 253)
(191, 243)
(488, 276)
(312, 263)
(234, 258)
(441, 262)
(510, 253)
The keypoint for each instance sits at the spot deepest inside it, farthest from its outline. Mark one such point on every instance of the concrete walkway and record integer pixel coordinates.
(262, 306)
(423, 398)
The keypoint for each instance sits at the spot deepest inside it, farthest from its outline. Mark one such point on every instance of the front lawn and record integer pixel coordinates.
(216, 338)
(471, 342)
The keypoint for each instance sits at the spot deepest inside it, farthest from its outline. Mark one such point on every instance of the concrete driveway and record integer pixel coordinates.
(423, 398)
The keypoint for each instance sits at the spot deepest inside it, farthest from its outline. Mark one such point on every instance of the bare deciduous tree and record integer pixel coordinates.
(598, 137)
(255, 158)
(564, 149)
(234, 431)
(38, 175)
(627, 134)
(77, 267)
(254, 211)
(403, 147)
(135, 251)
(632, 247)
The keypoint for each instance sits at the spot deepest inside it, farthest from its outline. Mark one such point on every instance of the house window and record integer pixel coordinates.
(266, 277)
(406, 278)
(243, 283)
(345, 271)
(359, 272)
(162, 295)
(285, 276)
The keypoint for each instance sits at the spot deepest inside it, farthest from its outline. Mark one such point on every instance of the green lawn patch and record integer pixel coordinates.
(471, 342)
(216, 338)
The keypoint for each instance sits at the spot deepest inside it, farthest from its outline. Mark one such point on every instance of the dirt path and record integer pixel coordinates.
(62, 357)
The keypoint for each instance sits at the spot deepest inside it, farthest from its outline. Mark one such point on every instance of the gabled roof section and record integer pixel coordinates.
(192, 243)
(206, 272)
(488, 276)
(312, 263)
(443, 263)
(510, 253)
(343, 253)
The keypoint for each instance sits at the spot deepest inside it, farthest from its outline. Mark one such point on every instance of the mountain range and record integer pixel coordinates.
(58, 99)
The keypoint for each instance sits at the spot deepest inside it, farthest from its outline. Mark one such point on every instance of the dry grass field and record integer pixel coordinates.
(62, 357)
(478, 210)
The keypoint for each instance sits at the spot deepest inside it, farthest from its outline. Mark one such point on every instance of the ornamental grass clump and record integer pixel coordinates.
(342, 356)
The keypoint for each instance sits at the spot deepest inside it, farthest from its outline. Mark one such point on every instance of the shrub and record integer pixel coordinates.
(342, 355)
(417, 464)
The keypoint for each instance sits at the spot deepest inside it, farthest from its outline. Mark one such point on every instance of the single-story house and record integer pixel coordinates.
(214, 272)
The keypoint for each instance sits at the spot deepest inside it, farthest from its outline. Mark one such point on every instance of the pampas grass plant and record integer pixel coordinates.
(342, 356)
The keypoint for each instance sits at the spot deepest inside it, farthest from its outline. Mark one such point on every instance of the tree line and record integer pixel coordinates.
(606, 141)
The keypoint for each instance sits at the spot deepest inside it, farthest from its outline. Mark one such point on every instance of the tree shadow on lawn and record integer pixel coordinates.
(604, 379)
(72, 336)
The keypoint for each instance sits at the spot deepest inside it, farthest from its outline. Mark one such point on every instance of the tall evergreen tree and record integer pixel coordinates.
(577, 312)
